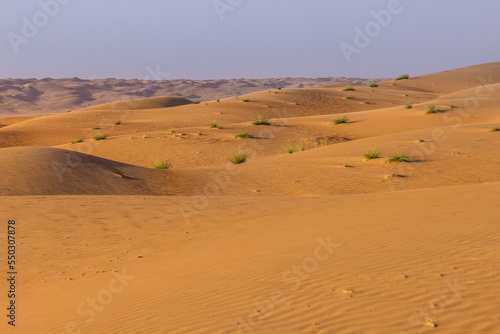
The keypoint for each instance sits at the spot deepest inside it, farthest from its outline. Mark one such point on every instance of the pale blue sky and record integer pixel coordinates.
(254, 38)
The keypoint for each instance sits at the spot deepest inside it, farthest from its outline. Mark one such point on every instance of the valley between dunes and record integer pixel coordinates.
(321, 240)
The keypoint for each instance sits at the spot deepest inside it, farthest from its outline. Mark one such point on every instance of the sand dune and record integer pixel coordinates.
(31, 96)
(318, 241)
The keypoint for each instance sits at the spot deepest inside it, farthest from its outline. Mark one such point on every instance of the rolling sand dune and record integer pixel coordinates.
(20, 97)
(318, 241)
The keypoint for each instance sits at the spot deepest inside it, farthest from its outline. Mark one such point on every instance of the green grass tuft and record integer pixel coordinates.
(349, 97)
(495, 129)
(373, 85)
(409, 105)
(160, 163)
(246, 100)
(348, 88)
(218, 100)
(260, 120)
(196, 102)
(100, 136)
(340, 120)
(399, 157)
(431, 109)
(403, 77)
(292, 148)
(215, 125)
(243, 134)
(370, 155)
(238, 158)
(118, 122)
(76, 141)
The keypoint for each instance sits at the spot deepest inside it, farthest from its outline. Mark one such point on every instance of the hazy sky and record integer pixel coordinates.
(207, 39)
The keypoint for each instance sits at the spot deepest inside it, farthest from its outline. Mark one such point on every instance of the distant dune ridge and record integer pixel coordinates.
(31, 96)
(366, 214)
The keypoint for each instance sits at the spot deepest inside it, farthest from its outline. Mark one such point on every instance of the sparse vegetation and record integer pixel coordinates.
(340, 120)
(76, 141)
(292, 148)
(349, 97)
(403, 77)
(199, 133)
(399, 157)
(196, 102)
(260, 120)
(348, 88)
(371, 154)
(118, 122)
(95, 129)
(409, 105)
(373, 85)
(100, 136)
(246, 100)
(172, 130)
(431, 109)
(160, 163)
(69, 110)
(238, 158)
(495, 129)
(279, 87)
(218, 100)
(421, 141)
(366, 102)
(243, 134)
(451, 105)
(215, 125)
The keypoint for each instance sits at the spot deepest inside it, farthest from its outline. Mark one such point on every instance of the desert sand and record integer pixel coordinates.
(21, 97)
(321, 240)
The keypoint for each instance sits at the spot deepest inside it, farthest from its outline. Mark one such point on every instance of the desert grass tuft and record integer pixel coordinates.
(243, 134)
(260, 120)
(399, 157)
(431, 109)
(495, 129)
(215, 125)
(238, 158)
(349, 97)
(371, 154)
(196, 102)
(373, 85)
(160, 163)
(403, 77)
(246, 100)
(409, 105)
(118, 122)
(292, 148)
(340, 120)
(76, 141)
(348, 88)
(100, 136)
